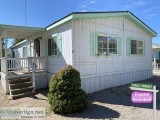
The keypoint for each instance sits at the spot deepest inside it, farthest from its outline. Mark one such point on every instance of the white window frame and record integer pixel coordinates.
(108, 49)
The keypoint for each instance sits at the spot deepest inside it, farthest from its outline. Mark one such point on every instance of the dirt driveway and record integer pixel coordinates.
(110, 104)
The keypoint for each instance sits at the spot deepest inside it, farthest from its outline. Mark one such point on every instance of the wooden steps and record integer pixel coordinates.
(21, 87)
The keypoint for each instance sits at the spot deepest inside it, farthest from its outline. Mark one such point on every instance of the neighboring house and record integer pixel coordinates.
(22, 49)
(156, 56)
(157, 51)
(25, 48)
(108, 48)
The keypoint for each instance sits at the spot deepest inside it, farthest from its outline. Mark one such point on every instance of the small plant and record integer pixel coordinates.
(65, 93)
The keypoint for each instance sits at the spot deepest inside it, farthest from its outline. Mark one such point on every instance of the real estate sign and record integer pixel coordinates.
(144, 93)
(140, 85)
(141, 97)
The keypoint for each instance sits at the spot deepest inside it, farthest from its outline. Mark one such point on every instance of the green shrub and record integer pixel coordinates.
(65, 93)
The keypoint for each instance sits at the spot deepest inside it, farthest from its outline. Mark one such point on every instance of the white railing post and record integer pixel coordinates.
(29, 64)
(45, 64)
(3, 65)
(154, 103)
(33, 73)
(32, 66)
(6, 65)
(0, 48)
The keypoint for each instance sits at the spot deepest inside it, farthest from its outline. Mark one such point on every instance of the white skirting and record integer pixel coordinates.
(96, 83)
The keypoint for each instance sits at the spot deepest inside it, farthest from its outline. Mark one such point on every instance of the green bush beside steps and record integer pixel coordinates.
(65, 93)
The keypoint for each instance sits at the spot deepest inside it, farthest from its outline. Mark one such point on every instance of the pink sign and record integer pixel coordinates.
(141, 97)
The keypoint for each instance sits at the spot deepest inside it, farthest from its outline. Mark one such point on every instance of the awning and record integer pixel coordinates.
(19, 32)
(156, 47)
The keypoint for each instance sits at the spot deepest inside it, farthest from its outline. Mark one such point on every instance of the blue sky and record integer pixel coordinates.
(41, 13)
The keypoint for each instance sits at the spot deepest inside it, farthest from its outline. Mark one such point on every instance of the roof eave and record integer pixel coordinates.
(61, 21)
(83, 15)
(21, 27)
(152, 32)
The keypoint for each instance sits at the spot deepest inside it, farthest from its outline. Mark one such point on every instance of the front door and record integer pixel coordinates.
(37, 46)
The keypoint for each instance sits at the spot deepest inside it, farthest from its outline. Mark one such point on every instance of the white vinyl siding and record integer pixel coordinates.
(64, 45)
(100, 72)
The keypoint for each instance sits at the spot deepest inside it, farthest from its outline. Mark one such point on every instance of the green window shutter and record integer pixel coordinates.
(59, 43)
(93, 44)
(144, 48)
(119, 46)
(128, 46)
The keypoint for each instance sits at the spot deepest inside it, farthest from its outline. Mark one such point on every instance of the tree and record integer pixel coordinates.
(65, 93)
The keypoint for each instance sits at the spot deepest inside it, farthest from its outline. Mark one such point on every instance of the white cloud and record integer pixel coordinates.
(134, 5)
(83, 10)
(140, 3)
(138, 7)
(92, 2)
(150, 16)
(148, 13)
(86, 4)
(83, 4)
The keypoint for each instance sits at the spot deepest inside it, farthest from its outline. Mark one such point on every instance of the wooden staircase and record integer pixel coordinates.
(20, 87)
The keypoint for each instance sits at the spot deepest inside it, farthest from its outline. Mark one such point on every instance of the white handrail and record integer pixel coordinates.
(22, 63)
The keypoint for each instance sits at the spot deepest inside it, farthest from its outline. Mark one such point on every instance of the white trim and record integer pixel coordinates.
(54, 35)
(98, 75)
(19, 43)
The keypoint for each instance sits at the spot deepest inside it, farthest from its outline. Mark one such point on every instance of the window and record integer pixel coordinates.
(107, 45)
(52, 46)
(24, 52)
(136, 47)
(112, 45)
(133, 47)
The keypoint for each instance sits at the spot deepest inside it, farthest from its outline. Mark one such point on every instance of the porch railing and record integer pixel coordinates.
(23, 64)
(40, 63)
(17, 63)
(156, 66)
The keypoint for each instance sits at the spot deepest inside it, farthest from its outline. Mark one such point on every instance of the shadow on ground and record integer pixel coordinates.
(95, 111)
(98, 102)
(121, 95)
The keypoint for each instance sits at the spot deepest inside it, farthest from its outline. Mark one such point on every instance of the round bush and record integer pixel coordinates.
(65, 93)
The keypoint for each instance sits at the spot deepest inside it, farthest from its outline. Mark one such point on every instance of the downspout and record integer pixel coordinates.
(123, 46)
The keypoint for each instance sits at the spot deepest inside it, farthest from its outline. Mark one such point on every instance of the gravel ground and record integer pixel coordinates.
(109, 104)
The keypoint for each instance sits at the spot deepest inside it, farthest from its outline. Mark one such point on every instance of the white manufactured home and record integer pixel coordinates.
(108, 48)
